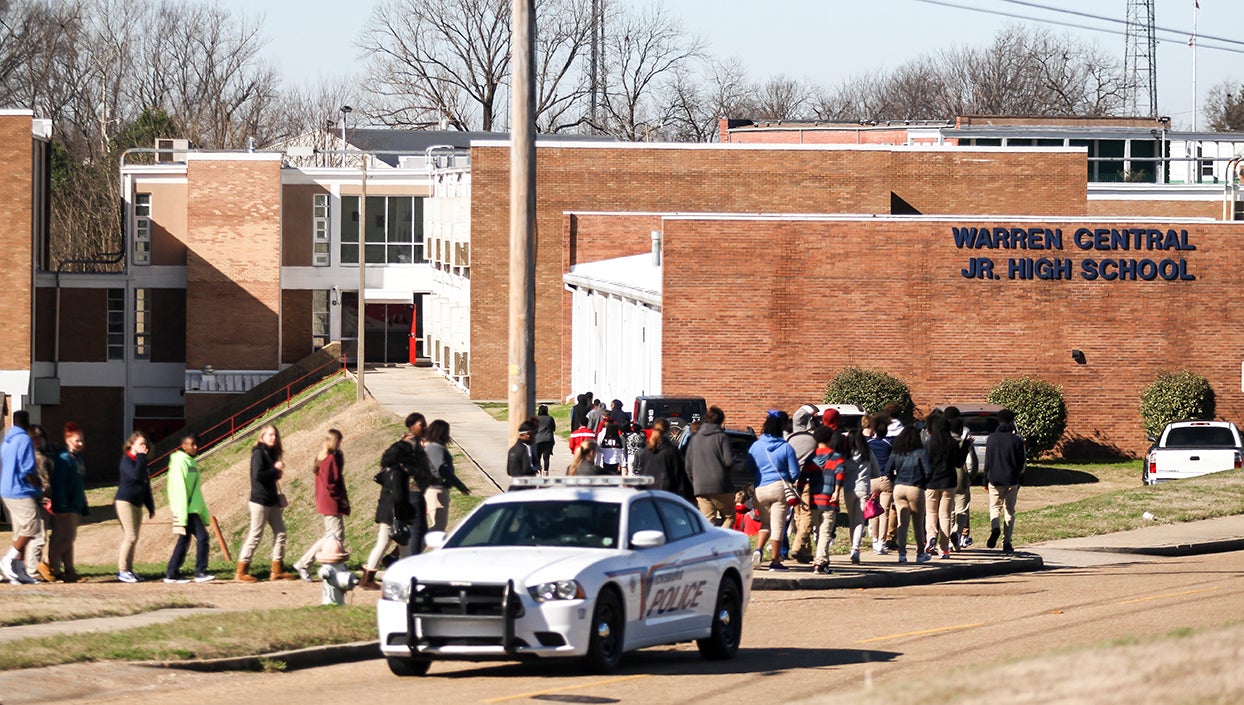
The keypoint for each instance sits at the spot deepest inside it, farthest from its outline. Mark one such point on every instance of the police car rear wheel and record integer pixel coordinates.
(604, 651)
(408, 666)
(723, 642)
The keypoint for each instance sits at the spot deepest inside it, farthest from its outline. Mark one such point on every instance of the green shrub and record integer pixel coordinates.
(1040, 413)
(1175, 396)
(869, 389)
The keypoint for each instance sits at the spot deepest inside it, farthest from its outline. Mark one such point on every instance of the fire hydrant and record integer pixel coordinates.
(337, 578)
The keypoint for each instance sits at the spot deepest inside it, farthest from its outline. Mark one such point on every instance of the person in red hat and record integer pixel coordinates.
(830, 419)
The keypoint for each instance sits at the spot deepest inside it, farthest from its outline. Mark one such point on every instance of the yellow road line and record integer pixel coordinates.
(921, 633)
(579, 686)
(1169, 594)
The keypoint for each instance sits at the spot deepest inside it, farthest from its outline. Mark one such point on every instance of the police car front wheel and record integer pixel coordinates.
(606, 636)
(408, 666)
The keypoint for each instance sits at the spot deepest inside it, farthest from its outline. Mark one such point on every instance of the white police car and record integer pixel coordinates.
(588, 567)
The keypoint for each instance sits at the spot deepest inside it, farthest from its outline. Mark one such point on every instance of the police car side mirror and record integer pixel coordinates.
(647, 539)
(434, 539)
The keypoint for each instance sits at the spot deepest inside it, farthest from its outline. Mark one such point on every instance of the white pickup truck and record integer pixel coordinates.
(1192, 448)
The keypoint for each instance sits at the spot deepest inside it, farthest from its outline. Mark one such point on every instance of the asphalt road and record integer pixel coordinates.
(836, 645)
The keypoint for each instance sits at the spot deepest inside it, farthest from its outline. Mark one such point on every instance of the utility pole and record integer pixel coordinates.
(522, 370)
(362, 391)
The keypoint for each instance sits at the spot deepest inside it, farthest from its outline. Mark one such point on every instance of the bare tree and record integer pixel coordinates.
(645, 49)
(563, 32)
(783, 98)
(697, 103)
(433, 60)
(1224, 107)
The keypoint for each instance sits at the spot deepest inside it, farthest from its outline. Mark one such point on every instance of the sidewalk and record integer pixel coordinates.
(481, 437)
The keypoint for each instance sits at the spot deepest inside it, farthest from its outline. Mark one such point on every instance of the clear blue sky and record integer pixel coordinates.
(826, 41)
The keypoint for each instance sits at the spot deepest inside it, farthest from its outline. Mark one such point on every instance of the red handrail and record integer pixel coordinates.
(234, 424)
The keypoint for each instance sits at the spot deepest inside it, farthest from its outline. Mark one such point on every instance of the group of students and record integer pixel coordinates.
(43, 490)
(916, 476)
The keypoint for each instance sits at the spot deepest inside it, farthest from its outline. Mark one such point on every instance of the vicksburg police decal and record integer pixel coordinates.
(671, 593)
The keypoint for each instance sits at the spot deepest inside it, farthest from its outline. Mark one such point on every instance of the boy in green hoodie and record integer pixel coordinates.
(190, 515)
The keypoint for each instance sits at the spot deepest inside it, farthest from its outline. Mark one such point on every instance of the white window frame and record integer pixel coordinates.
(321, 318)
(142, 324)
(320, 248)
(116, 324)
(142, 229)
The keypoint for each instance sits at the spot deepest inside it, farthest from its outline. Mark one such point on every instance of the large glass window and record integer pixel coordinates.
(319, 318)
(393, 233)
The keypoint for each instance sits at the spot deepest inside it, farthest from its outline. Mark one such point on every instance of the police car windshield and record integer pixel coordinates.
(573, 523)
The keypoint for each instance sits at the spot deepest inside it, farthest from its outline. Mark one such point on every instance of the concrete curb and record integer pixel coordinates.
(1173, 550)
(899, 576)
(310, 657)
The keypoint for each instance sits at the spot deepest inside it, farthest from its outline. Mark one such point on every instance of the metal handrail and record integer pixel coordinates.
(235, 423)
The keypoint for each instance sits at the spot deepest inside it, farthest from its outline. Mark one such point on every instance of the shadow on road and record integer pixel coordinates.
(756, 661)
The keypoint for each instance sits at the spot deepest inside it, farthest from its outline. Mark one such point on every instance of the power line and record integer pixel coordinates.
(1063, 23)
(1103, 18)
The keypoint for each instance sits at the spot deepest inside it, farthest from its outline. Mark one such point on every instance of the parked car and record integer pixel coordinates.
(740, 443)
(980, 420)
(1192, 448)
(849, 415)
(678, 410)
(570, 567)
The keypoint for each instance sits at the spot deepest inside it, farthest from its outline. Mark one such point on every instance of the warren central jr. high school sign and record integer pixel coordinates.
(1143, 240)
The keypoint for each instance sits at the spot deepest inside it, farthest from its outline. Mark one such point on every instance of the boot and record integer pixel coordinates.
(278, 572)
(69, 576)
(369, 580)
(45, 572)
(243, 575)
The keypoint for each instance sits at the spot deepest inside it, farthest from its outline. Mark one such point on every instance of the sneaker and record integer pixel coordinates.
(930, 546)
(303, 573)
(923, 557)
(44, 572)
(1008, 548)
(902, 558)
(804, 558)
(892, 545)
(945, 554)
(178, 580)
(127, 576)
(204, 578)
(777, 566)
(6, 567)
(22, 577)
(755, 560)
(993, 538)
(819, 568)
(964, 542)
(855, 556)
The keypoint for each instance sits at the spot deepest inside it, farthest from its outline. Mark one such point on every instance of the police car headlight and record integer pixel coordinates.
(558, 590)
(395, 590)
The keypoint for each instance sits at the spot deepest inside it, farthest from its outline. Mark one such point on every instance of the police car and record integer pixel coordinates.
(582, 567)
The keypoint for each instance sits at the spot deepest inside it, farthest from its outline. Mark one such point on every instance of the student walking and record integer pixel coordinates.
(21, 492)
(266, 505)
(190, 515)
(545, 428)
(775, 469)
(1004, 471)
(133, 495)
(332, 502)
(441, 462)
(909, 470)
(68, 504)
(394, 512)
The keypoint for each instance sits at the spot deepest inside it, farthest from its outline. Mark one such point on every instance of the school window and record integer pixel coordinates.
(319, 235)
(319, 318)
(393, 233)
(142, 324)
(142, 228)
(116, 324)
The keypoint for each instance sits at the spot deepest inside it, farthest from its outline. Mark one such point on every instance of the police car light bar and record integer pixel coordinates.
(584, 481)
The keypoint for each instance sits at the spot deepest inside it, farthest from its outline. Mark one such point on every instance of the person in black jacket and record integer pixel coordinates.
(578, 412)
(521, 461)
(1004, 471)
(133, 493)
(398, 510)
(663, 463)
(266, 506)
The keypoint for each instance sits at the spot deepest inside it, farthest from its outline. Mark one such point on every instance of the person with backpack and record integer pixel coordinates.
(802, 442)
(612, 455)
(395, 513)
(820, 477)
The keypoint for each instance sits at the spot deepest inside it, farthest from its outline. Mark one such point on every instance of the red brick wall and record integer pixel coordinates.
(83, 325)
(233, 270)
(295, 325)
(1211, 208)
(699, 179)
(16, 279)
(100, 413)
(761, 340)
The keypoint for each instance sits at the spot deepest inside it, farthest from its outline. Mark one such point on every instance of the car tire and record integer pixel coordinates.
(408, 666)
(723, 641)
(606, 635)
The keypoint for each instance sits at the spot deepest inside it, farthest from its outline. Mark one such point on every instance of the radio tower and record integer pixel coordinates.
(1140, 59)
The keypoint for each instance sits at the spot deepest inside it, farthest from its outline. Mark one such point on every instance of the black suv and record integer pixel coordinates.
(679, 411)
